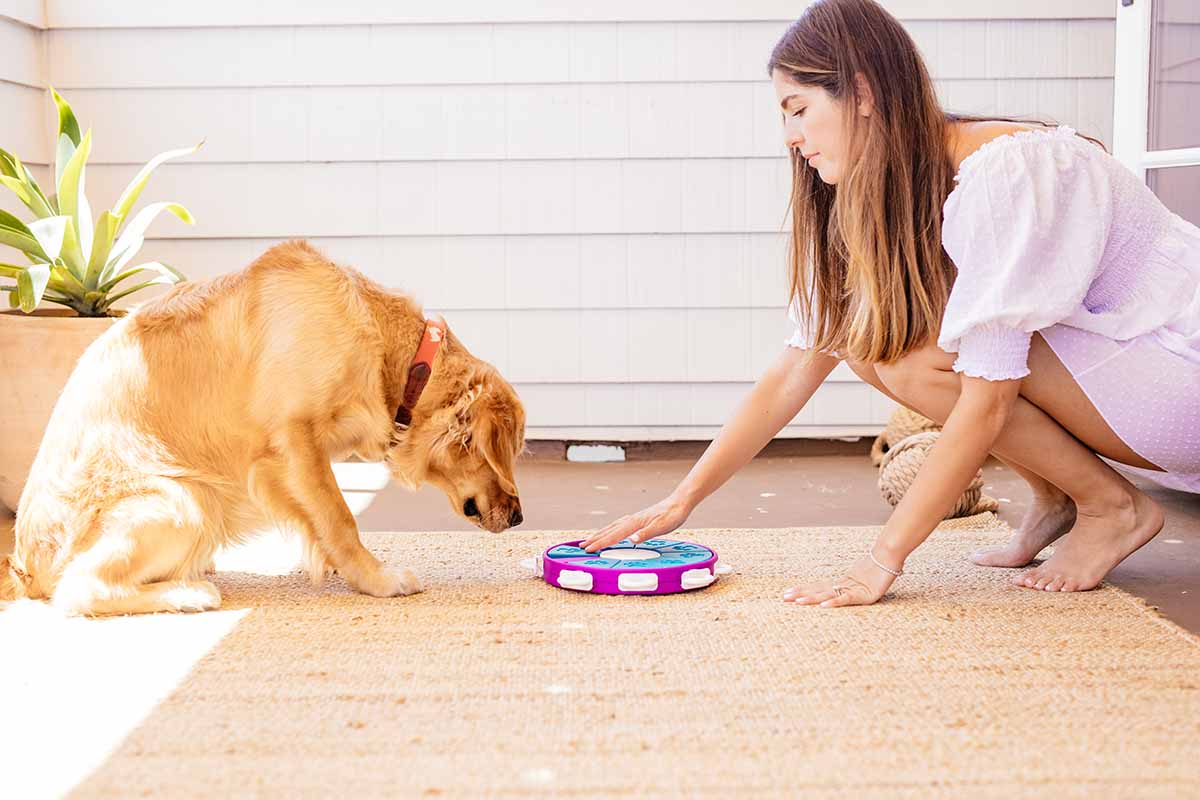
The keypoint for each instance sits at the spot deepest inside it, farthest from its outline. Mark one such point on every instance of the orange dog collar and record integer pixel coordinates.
(419, 372)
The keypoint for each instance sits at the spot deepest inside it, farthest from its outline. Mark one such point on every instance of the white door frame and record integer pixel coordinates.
(1131, 94)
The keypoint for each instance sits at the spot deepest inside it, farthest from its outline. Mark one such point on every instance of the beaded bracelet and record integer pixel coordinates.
(896, 573)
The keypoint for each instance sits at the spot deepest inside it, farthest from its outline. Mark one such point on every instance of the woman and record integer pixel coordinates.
(1014, 283)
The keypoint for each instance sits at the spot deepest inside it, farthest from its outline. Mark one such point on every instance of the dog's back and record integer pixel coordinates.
(120, 427)
(165, 413)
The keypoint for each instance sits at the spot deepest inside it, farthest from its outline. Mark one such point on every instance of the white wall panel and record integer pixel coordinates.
(595, 196)
(22, 93)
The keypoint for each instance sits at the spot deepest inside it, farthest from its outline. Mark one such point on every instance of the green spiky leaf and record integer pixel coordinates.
(67, 124)
(50, 233)
(132, 237)
(17, 177)
(72, 255)
(166, 275)
(15, 233)
(134, 189)
(31, 284)
(18, 188)
(72, 177)
(101, 245)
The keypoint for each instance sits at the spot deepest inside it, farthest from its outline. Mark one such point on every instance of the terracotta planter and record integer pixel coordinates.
(37, 353)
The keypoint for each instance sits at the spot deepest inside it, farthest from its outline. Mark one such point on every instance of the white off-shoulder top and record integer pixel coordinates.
(1046, 228)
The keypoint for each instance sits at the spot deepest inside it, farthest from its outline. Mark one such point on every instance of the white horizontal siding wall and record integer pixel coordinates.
(22, 91)
(593, 198)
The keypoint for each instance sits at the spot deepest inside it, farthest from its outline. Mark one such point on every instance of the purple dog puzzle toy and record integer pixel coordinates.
(656, 566)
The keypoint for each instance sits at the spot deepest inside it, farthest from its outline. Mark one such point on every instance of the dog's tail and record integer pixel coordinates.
(12, 580)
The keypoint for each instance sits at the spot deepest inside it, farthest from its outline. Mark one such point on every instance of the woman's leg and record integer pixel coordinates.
(1050, 515)
(1051, 512)
(1053, 432)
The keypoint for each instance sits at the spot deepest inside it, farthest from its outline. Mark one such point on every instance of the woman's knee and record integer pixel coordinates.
(869, 374)
(908, 375)
(866, 372)
(899, 376)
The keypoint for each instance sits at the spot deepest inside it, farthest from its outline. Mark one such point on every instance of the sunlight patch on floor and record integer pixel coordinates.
(75, 688)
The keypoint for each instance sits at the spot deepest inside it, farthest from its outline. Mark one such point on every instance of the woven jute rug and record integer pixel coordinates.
(495, 684)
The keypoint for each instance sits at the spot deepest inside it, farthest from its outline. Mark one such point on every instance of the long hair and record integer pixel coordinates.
(866, 260)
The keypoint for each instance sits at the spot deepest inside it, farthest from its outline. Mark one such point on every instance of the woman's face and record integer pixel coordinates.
(813, 125)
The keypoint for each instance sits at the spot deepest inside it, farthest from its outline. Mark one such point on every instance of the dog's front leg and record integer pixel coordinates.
(296, 484)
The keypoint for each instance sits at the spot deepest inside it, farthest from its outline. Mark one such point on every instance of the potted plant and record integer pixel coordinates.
(82, 265)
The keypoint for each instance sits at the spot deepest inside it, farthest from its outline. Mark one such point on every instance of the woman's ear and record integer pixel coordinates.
(866, 98)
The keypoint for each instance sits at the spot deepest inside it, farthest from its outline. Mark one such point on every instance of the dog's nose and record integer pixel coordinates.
(515, 518)
(470, 509)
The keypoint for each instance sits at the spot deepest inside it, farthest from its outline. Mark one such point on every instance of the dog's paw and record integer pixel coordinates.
(193, 596)
(389, 582)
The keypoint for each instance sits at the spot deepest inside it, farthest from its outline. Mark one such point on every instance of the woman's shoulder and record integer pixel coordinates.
(968, 138)
(1024, 180)
(1033, 145)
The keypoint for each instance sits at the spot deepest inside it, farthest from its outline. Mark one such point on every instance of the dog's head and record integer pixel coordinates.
(468, 447)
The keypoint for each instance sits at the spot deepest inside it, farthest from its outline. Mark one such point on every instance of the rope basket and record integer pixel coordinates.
(903, 447)
(903, 423)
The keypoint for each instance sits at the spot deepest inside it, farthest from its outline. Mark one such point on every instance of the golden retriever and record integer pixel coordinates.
(215, 410)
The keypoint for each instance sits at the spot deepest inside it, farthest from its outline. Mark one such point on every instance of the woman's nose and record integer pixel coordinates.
(792, 137)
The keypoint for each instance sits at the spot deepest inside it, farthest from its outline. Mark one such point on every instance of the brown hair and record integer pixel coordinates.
(867, 265)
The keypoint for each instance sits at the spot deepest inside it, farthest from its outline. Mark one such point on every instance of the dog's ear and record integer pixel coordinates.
(461, 428)
(496, 434)
(483, 420)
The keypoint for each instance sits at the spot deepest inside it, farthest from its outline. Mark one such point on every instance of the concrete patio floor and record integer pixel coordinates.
(792, 484)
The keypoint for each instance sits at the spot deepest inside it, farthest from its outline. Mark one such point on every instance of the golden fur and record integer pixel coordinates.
(215, 410)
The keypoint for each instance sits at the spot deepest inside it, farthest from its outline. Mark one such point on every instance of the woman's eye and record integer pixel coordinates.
(797, 112)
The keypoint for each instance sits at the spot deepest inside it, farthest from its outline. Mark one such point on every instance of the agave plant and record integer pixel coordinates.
(73, 261)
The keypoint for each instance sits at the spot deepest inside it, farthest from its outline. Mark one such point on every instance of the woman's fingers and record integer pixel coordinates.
(830, 594)
(642, 534)
(655, 527)
(606, 531)
(844, 596)
(639, 527)
(598, 535)
(611, 534)
(808, 595)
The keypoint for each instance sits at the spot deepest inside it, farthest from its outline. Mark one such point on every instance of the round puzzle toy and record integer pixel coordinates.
(656, 566)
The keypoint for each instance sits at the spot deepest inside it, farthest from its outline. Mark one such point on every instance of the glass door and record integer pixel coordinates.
(1156, 101)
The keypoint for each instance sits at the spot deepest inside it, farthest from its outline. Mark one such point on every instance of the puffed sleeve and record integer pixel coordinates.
(802, 334)
(1026, 228)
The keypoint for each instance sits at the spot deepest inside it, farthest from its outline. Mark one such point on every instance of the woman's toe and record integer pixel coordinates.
(1029, 579)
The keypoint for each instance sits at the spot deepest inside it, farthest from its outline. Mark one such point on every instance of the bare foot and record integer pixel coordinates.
(1048, 518)
(1100, 539)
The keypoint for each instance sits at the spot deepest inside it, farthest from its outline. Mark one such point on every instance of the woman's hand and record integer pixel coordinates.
(657, 520)
(863, 585)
